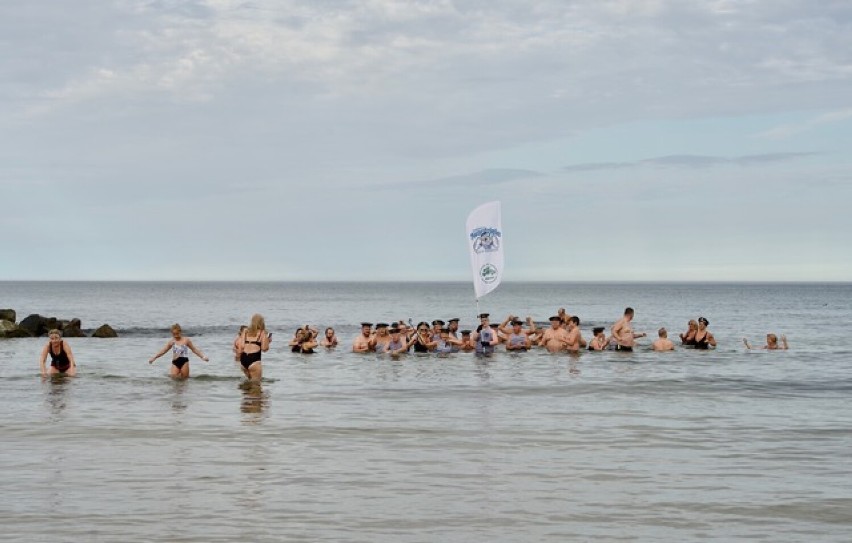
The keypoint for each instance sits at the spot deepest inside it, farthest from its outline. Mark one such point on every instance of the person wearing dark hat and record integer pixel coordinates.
(483, 323)
(437, 324)
(487, 338)
(622, 332)
(599, 341)
(466, 344)
(361, 344)
(421, 341)
(380, 338)
(444, 342)
(453, 325)
(517, 339)
(703, 338)
(555, 338)
(396, 345)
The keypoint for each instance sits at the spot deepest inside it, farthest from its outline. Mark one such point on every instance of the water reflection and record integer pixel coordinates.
(179, 403)
(254, 401)
(57, 399)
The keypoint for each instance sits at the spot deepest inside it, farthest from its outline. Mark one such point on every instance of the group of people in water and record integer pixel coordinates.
(514, 334)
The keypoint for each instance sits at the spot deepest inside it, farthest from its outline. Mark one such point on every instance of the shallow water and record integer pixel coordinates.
(720, 445)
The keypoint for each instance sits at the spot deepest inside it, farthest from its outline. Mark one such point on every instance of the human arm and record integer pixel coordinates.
(265, 340)
(43, 359)
(784, 342)
(197, 352)
(162, 351)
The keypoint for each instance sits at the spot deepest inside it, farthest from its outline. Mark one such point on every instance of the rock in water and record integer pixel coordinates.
(104, 331)
(8, 315)
(34, 324)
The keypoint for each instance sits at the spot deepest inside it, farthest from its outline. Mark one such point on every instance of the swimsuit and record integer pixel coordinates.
(444, 347)
(247, 359)
(419, 347)
(485, 336)
(702, 344)
(180, 355)
(394, 346)
(519, 341)
(59, 361)
(624, 348)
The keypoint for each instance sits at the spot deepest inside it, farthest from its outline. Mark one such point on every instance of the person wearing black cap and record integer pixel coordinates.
(380, 338)
(483, 323)
(466, 343)
(487, 338)
(437, 324)
(703, 338)
(599, 342)
(623, 334)
(517, 339)
(421, 341)
(361, 344)
(397, 344)
(555, 338)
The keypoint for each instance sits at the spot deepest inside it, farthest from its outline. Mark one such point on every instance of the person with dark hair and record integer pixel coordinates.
(574, 339)
(422, 341)
(703, 338)
(555, 338)
(623, 336)
(361, 343)
(599, 341)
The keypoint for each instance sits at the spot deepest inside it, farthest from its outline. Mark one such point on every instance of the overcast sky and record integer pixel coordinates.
(337, 140)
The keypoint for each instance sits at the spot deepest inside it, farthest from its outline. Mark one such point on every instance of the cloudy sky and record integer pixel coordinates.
(335, 140)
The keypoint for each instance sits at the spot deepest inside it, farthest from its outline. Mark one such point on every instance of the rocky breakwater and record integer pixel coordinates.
(37, 325)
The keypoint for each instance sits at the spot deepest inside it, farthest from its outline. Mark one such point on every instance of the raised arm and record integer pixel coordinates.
(265, 339)
(784, 342)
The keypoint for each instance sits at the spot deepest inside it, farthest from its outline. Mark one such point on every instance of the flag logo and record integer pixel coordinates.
(485, 240)
(488, 273)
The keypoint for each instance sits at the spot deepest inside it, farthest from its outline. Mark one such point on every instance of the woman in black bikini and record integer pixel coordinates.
(703, 338)
(180, 347)
(61, 357)
(252, 342)
(304, 341)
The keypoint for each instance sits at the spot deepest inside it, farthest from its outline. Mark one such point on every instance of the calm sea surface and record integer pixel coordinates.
(723, 445)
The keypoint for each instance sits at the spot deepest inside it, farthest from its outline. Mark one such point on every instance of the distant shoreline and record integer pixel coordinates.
(421, 282)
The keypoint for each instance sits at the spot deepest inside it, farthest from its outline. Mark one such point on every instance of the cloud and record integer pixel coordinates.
(483, 178)
(791, 129)
(691, 161)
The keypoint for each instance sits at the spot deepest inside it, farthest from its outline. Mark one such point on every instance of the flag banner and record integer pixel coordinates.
(485, 240)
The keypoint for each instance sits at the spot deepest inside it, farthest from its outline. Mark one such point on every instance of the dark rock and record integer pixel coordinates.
(7, 315)
(50, 323)
(104, 331)
(34, 324)
(73, 331)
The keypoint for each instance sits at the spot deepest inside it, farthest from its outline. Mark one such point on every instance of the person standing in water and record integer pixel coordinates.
(330, 339)
(623, 334)
(771, 343)
(688, 337)
(703, 338)
(61, 357)
(253, 341)
(180, 346)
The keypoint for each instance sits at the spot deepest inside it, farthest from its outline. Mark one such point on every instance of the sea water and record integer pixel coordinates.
(720, 445)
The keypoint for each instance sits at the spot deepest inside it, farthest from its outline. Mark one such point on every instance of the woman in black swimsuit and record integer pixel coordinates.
(422, 340)
(304, 341)
(252, 342)
(688, 337)
(61, 357)
(703, 338)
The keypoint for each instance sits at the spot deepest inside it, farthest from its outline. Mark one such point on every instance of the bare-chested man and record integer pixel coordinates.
(361, 344)
(381, 338)
(663, 343)
(555, 338)
(771, 343)
(466, 344)
(622, 332)
(574, 340)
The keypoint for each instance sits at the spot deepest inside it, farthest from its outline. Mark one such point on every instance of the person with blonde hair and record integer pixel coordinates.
(252, 342)
(180, 346)
(61, 357)
(771, 343)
